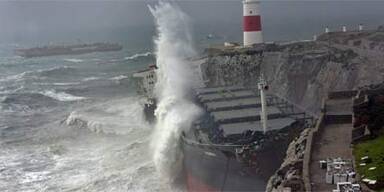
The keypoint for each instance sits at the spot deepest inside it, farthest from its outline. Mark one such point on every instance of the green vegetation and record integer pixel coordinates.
(374, 149)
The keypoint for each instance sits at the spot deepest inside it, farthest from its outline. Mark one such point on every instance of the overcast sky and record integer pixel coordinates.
(26, 20)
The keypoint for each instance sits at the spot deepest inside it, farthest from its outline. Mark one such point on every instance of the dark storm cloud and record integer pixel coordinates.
(60, 16)
(25, 20)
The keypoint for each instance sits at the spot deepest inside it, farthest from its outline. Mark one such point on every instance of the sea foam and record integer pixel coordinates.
(61, 96)
(138, 55)
(74, 60)
(175, 112)
(117, 117)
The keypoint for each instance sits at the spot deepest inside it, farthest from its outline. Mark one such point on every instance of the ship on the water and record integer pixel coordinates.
(242, 134)
(67, 49)
(239, 140)
(145, 85)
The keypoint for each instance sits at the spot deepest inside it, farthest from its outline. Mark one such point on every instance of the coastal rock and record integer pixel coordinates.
(225, 70)
(290, 172)
(301, 72)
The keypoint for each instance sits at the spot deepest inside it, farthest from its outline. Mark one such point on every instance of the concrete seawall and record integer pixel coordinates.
(335, 116)
(308, 148)
(335, 119)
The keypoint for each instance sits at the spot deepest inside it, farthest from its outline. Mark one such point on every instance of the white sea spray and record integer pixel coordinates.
(175, 112)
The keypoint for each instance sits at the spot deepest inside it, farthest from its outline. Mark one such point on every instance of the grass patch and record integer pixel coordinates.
(374, 149)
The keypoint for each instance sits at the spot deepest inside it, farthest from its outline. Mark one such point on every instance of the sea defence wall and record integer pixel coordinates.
(308, 148)
(326, 117)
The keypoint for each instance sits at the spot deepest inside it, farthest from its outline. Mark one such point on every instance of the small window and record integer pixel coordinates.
(250, 12)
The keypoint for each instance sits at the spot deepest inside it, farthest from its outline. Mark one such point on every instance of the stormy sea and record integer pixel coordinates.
(75, 122)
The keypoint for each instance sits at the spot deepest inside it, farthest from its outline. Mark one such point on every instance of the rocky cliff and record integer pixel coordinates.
(303, 72)
(232, 68)
(290, 172)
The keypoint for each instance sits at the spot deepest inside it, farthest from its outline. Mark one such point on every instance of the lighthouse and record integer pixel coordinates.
(252, 23)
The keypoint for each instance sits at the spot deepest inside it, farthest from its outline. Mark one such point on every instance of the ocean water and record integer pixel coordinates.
(74, 123)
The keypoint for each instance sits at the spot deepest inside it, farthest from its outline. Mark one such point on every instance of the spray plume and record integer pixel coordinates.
(175, 78)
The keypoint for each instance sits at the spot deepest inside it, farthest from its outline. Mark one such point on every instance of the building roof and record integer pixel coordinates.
(239, 128)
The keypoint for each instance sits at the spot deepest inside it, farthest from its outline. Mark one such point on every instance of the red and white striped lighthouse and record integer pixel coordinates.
(252, 22)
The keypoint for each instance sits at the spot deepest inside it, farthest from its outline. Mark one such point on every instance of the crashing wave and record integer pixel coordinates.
(61, 96)
(78, 120)
(135, 56)
(25, 97)
(91, 78)
(97, 124)
(17, 77)
(54, 71)
(59, 84)
(115, 78)
(26, 102)
(175, 112)
(20, 109)
(10, 89)
(74, 60)
(66, 84)
(118, 78)
(118, 117)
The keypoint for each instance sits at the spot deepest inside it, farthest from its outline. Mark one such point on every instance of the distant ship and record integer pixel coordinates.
(67, 49)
